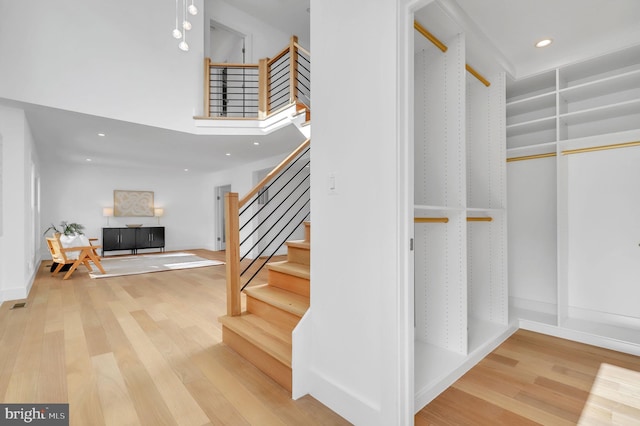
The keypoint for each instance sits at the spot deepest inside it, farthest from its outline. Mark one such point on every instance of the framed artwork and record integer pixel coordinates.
(133, 203)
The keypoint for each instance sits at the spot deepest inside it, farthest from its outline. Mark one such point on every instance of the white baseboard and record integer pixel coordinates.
(582, 336)
(355, 408)
(534, 305)
(604, 317)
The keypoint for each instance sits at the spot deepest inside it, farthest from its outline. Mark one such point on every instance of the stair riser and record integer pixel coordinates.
(290, 283)
(299, 255)
(307, 231)
(265, 362)
(273, 314)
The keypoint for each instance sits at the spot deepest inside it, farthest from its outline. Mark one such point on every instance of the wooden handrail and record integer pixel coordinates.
(279, 55)
(305, 51)
(264, 81)
(443, 47)
(274, 172)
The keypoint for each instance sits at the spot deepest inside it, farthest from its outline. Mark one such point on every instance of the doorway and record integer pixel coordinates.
(226, 45)
(221, 237)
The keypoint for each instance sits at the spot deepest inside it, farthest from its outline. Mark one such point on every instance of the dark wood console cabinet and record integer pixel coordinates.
(132, 238)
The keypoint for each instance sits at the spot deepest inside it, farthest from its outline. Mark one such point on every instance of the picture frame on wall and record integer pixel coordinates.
(133, 203)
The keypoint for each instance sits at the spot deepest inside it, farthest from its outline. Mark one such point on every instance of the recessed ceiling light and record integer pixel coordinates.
(228, 154)
(88, 160)
(544, 42)
(186, 170)
(256, 143)
(101, 134)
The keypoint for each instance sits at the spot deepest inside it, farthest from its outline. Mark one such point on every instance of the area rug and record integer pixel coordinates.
(143, 264)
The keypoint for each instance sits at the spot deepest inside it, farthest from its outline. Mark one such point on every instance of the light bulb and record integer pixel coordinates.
(184, 46)
(193, 9)
(177, 33)
(186, 25)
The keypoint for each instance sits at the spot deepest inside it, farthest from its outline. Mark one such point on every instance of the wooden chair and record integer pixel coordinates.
(59, 255)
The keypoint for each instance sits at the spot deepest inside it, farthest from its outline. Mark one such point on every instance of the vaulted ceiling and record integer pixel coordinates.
(579, 28)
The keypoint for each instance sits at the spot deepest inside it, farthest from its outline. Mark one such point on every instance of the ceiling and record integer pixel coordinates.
(580, 29)
(70, 137)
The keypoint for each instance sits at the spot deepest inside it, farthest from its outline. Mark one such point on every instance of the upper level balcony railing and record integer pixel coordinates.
(255, 91)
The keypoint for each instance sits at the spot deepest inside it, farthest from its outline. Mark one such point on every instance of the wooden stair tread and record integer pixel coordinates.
(282, 299)
(291, 268)
(269, 338)
(301, 244)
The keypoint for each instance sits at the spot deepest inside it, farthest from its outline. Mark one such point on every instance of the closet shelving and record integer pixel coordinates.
(461, 304)
(595, 104)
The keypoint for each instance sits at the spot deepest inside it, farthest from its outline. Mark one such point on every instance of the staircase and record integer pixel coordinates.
(262, 333)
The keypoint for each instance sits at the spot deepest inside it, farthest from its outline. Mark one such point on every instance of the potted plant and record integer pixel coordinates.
(66, 228)
(71, 235)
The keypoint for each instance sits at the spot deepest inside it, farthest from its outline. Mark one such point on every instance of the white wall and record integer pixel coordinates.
(78, 194)
(92, 56)
(604, 234)
(242, 179)
(18, 243)
(353, 365)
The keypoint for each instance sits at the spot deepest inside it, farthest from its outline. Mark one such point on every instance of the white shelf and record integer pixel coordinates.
(531, 87)
(602, 87)
(532, 126)
(604, 112)
(541, 148)
(530, 109)
(600, 68)
(435, 211)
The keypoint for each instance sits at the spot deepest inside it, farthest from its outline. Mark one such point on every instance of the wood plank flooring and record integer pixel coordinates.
(146, 350)
(535, 379)
(139, 350)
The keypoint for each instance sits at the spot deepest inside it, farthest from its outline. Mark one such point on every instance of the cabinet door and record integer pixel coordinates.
(110, 238)
(127, 238)
(157, 236)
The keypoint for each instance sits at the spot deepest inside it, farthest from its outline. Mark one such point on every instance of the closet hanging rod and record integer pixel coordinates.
(531, 157)
(433, 39)
(479, 219)
(440, 45)
(431, 219)
(600, 148)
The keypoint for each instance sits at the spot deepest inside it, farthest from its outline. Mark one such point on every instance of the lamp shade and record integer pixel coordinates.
(107, 211)
(158, 212)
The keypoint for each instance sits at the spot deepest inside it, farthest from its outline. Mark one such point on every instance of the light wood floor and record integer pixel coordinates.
(139, 350)
(536, 379)
(146, 349)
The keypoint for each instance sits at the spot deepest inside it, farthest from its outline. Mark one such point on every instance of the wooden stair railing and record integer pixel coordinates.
(233, 204)
(256, 91)
(262, 334)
